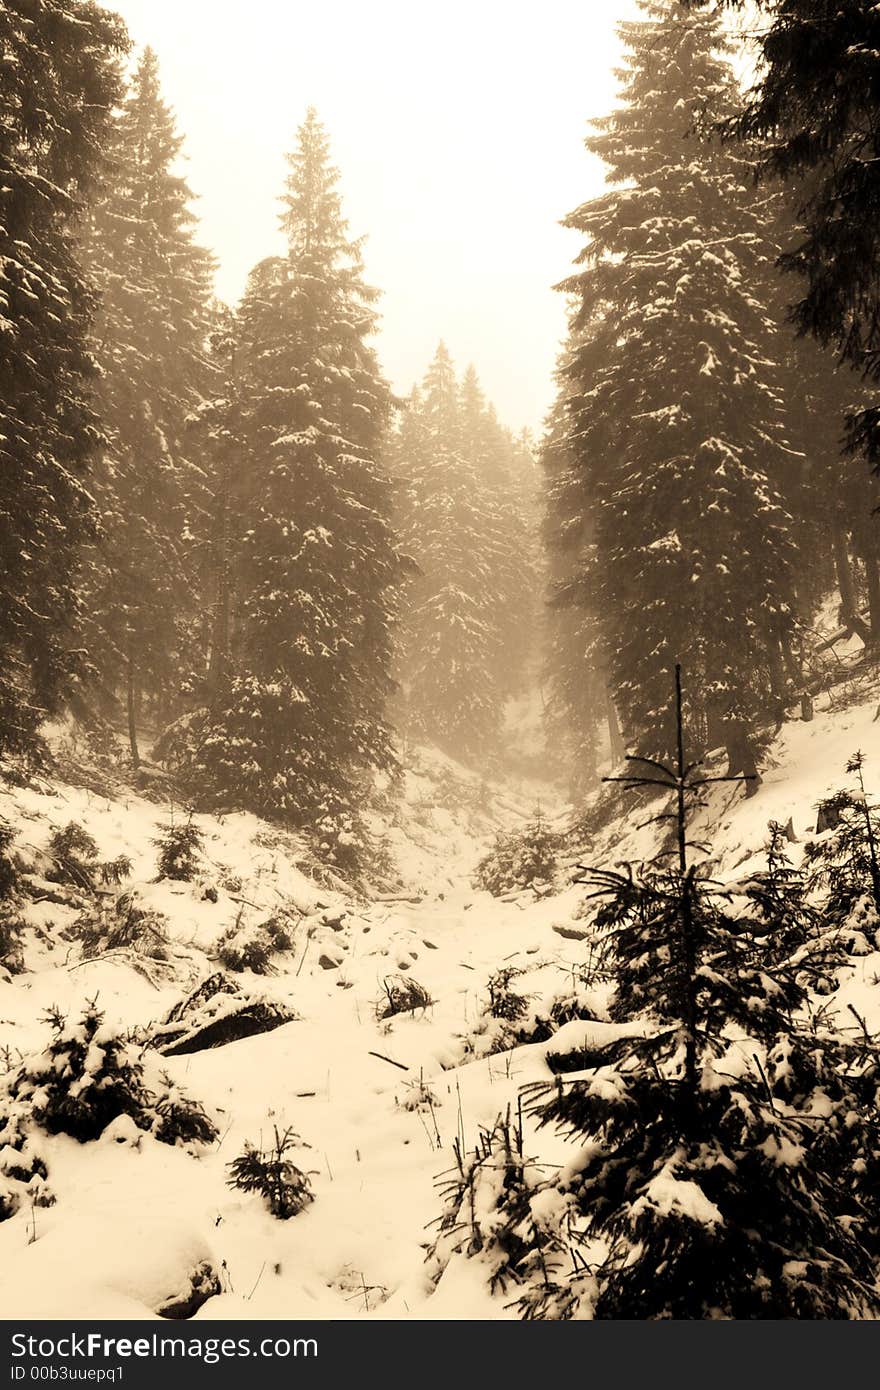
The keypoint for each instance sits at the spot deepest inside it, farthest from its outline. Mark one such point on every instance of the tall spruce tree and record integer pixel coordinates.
(60, 83)
(150, 341)
(675, 415)
(297, 710)
(454, 525)
(506, 468)
(815, 105)
(814, 108)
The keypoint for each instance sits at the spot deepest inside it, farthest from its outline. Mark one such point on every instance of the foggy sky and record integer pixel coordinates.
(458, 130)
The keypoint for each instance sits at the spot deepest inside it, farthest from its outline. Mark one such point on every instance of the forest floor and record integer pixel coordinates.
(379, 1104)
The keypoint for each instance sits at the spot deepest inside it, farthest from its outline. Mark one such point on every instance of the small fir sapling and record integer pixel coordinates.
(780, 910)
(251, 946)
(519, 858)
(504, 1002)
(89, 1075)
(712, 1166)
(793, 930)
(74, 854)
(844, 865)
(728, 1151)
(402, 995)
(11, 925)
(488, 1210)
(285, 1188)
(179, 844)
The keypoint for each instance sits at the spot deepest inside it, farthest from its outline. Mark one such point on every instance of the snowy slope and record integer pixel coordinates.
(133, 1217)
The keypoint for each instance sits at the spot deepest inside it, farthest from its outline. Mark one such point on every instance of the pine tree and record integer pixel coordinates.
(675, 415)
(150, 341)
(298, 719)
(505, 467)
(60, 82)
(451, 525)
(815, 105)
(221, 523)
(730, 1150)
(836, 498)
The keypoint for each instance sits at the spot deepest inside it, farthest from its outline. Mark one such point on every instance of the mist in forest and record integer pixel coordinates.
(439, 633)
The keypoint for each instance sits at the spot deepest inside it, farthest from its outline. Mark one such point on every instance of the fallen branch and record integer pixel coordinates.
(390, 1060)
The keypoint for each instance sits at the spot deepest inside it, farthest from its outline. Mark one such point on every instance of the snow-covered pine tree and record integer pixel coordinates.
(60, 83)
(217, 443)
(815, 105)
(835, 498)
(730, 1151)
(150, 341)
(505, 466)
(299, 718)
(450, 523)
(675, 416)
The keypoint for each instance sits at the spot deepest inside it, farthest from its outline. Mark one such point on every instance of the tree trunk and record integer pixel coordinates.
(221, 622)
(618, 750)
(846, 584)
(132, 710)
(741, 759)
(872, 572)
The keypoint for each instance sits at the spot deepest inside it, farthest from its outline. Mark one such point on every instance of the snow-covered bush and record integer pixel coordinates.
(488, 1211)
(88, 1076)
(23, 1170)
(251, 946)
(284, 1187)
(512, 1019)
(74, 855)
(401, 995)
(73, 852)
(141, 929)
(844, 864)
(11, 925)
(179, 844)
(505, 1002)
(519, 858)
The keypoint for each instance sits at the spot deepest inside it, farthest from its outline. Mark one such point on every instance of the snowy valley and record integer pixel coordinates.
(378, 1104)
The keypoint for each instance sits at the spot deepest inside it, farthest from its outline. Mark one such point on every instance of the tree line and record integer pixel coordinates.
(709, 460)
(220, 525)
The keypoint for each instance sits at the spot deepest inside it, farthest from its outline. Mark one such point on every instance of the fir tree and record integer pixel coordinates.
(815, 105)
(450, 523)
(845, 862)
(150, 340)
(832, 497)
(298, 719)
(729, 1151)
(60, 82)
(505, 467)
(675, 415)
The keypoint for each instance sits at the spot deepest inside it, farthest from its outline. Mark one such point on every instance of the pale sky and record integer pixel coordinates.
(458, 130)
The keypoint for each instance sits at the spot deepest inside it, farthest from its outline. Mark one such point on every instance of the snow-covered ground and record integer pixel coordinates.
(378, 1104)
